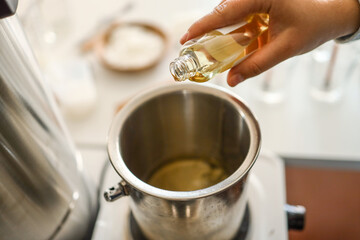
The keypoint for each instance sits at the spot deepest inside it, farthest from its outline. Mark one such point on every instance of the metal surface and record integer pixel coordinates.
(242, 233)
(185, 120)
(116, 192)
(41, 184)
(7, 8)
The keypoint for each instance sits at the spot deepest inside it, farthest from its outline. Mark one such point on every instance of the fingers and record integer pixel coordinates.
(268, 56)
(226, 13)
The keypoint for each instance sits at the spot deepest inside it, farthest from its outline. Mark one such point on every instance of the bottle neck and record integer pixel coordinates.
(183, 67)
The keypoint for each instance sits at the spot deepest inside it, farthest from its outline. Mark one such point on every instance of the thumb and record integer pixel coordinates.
(272, 53)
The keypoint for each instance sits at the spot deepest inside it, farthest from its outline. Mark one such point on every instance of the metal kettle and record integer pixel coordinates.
(43, 194)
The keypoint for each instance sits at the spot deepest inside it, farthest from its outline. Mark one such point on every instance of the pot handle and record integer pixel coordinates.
(116, 192)
(295, 216)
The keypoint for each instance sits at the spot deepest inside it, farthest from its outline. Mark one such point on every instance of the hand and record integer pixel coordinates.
(295, 27)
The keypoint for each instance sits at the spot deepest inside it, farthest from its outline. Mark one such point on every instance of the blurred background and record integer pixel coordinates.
(308, 107)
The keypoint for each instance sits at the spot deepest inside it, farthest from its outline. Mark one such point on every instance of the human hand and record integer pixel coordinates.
(295, 27)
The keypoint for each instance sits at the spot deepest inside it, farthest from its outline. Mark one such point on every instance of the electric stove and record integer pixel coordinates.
(265, 217)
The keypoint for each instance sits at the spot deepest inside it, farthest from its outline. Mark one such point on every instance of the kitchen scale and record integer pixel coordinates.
(265, 218)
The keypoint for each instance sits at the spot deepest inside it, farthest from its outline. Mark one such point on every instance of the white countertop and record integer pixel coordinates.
(299, 126)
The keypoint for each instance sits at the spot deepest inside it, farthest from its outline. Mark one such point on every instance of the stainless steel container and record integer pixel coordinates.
(43, 194)
(184, 120)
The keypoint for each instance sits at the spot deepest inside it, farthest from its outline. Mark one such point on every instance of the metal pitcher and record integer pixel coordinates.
(184, 120)
(43, 194)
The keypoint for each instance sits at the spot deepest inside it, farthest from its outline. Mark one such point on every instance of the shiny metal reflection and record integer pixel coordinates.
(180, 121)
(42, 190)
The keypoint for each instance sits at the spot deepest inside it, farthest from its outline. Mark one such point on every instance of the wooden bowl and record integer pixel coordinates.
(103, 43)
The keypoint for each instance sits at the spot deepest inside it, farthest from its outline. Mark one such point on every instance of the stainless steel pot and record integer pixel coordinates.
(184, 120)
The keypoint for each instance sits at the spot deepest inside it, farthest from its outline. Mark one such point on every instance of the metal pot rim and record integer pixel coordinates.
(130, 179)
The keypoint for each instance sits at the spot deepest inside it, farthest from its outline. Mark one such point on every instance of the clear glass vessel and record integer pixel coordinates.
(219, 50)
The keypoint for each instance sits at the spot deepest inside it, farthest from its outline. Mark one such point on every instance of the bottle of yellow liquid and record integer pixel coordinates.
(219, 50)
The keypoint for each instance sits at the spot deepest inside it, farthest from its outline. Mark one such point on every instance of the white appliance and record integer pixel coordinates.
(267, 197)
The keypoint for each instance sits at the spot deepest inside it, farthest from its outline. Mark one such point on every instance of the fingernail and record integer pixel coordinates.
(235, 80)
(184, 37)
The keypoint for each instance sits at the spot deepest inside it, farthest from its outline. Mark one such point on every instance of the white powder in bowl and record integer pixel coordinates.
(133, 46)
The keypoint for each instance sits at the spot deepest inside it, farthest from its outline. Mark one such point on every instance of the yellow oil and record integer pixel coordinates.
(187, 174)
(216, 52)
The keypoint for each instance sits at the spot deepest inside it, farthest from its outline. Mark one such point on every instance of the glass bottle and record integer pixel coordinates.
(219, 50)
